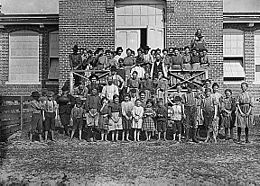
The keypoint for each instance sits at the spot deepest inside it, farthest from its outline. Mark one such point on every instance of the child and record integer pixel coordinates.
(161, 113)
(115, 117)
(148, 123)
(137, 112)
(162, 86)
(177, 117)
(127, 107)
(77, 118)
(103, 119)
(209, 115)
(50, 113)
(92, 107)
(37, 117)
(133, 94)
(228, 107)
(190, 108)
(147, 85)
(133, 82)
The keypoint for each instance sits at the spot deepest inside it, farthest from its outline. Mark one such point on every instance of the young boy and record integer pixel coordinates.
(190, 109)
(77, 118)
(50, 113)
(92, 107)
(37, 117)
(161, 113)
(177, 117)
(209, 108)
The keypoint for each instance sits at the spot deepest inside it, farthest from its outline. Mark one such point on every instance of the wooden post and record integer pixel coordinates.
(71, 82)
(21, 112)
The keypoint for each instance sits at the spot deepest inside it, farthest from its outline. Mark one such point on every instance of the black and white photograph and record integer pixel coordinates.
(129, 92)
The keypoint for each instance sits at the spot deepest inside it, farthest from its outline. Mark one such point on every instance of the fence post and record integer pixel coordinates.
(71, 82)
(21, 110)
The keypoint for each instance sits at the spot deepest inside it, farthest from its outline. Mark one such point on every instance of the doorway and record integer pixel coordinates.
(139, 23)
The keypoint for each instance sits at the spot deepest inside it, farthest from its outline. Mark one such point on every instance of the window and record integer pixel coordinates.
(54, 56)
(24, 57)
(233, 46)
(257, 56)
(233, 43)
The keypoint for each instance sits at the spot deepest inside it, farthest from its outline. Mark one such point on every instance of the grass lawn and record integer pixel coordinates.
(132, 163)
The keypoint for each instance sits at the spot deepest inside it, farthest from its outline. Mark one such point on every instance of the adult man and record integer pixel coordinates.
(110, 89)
(75, 60)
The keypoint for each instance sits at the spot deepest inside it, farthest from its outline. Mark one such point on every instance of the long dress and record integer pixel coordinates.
(138, 113)
(127, 108)
(229, 105)
(148, 122)
(245, 101)
(103, 119)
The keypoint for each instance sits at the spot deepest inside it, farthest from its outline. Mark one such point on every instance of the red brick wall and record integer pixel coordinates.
(4, 58)
(87, 23)
(249, 62)
(185, 16)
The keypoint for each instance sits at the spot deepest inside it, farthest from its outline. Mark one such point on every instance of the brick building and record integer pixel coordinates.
(232, 36)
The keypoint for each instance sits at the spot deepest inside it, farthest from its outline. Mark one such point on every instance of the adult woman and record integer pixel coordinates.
(244, 113)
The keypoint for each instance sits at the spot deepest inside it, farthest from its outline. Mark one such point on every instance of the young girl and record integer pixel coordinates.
(228, 107)
(115, 117)
(138, 112)
(162, 115)
(127, 107)
(103, 119)
(77, 118)
(209, 108)
(244, 113)
(177, 116)
(148, 123)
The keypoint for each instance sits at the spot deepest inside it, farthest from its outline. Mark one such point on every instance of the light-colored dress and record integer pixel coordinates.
(138, 113)
(245, 101)
(127, 108)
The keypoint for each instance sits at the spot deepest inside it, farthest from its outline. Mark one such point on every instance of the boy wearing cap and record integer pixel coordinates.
(37, 117)
(50, 113)
(75, 62)
(77, 114)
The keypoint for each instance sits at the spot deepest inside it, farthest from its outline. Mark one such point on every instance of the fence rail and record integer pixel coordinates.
(15, 114)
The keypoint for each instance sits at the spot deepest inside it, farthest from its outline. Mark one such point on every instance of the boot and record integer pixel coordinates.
(239, 134)
(194, 136)
(226, 133)
(187, 134)
(231, 133)
(246, 132)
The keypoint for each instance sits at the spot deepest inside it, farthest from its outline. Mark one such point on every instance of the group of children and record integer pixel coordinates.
(180, 117)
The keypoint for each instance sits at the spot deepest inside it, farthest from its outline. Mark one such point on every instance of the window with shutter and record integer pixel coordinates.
(257, 57)
(54, 55)
(24, 57)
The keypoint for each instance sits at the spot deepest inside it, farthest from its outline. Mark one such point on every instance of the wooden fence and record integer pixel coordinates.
(15, 114)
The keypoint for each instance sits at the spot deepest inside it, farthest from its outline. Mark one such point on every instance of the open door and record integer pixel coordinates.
(128, 39)
(155, 37)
